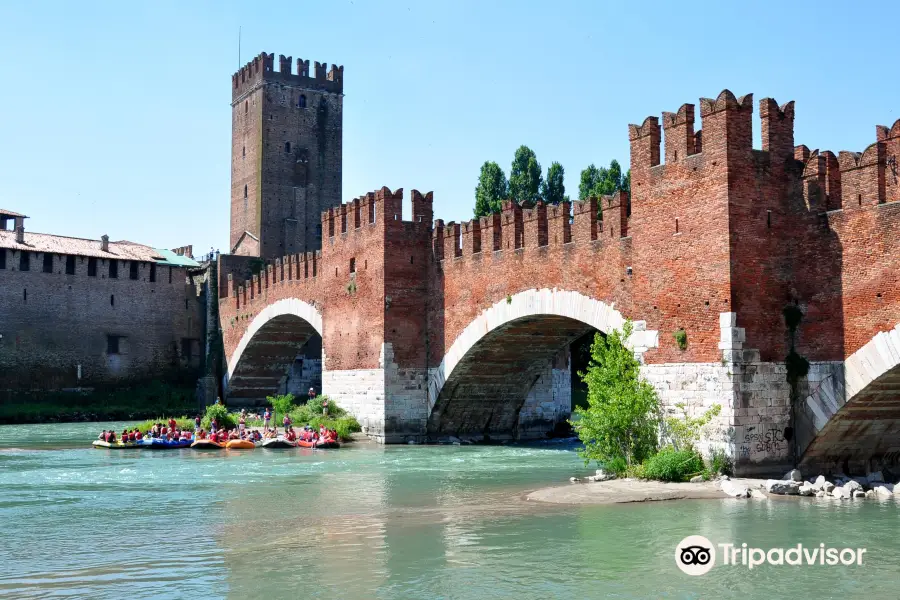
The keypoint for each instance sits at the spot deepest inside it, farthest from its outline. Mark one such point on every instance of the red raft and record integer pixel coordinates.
(327, 443)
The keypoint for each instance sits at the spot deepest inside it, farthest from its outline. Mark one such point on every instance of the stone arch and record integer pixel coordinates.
(268, 347)
(556, 317)
(852, 410)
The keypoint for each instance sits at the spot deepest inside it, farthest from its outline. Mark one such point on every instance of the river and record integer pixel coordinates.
(386, 522)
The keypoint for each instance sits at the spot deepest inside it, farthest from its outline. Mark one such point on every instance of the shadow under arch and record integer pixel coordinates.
(507, 375)
(268, 349)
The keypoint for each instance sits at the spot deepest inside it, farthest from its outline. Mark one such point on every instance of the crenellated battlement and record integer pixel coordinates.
(262, 69)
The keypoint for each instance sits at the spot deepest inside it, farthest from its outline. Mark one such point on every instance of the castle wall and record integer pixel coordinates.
(54, 325)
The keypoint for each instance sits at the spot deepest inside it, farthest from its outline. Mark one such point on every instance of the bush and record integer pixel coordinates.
(683, 431)
(281, 404)
(622, 418)
(224, 420)
(717, 463)
(673, 465)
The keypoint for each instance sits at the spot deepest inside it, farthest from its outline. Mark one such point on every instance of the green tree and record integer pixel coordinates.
(492, 189)
(603, 181)
(525, 177)
(620, 424)
(553, 191)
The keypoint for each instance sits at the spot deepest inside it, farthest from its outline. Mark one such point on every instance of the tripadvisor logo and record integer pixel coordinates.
(696, 555)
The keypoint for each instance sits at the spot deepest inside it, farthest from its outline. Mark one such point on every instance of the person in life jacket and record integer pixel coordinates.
(242, 423)
(172, 423)
(267, 416)
(213, 426)
(138, 435)
(286, 421)
(197, 423)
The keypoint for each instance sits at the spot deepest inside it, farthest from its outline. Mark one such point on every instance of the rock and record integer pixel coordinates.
(454, 440)
(820, 482)
(821, 494)
(735, 490)
(698, 479)
(807, 489)
(875, 477)
(841, 493)
(758, 495)
(793, 475)
(859, 494)
(853, 485)
(774, 486)
(828, 487)
(723, 477)
(574, 479)
(882, 491)
(602, 475)
(870, 494)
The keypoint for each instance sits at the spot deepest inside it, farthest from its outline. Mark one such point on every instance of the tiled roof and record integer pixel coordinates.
(9, 213)
(59, 244)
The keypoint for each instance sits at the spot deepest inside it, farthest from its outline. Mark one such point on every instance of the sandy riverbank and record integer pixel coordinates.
(619, 491)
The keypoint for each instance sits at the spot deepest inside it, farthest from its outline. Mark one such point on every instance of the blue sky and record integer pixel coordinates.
(116, 117)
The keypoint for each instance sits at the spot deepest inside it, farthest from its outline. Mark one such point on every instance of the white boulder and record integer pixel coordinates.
(859, 494)
(807, 489)
(735, 490)
(828, 487)
(775, 486)
(698, 479)
(853, 485)
(882, 491)
(793, 475)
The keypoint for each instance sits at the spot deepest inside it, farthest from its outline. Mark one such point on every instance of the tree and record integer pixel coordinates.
(525, 177)
(603, 182)
(553, 191)
(620, 424)
(492, 189)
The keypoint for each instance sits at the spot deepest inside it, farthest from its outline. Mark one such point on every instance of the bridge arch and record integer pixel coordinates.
(512, 355)
(852, 411)
(268, 348)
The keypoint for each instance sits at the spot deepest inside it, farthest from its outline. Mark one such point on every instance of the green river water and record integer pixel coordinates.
(386, 522)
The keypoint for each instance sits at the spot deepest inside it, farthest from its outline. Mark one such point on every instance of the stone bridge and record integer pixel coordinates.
(425, 329)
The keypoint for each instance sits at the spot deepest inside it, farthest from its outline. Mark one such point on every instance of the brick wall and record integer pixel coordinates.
(52, 323)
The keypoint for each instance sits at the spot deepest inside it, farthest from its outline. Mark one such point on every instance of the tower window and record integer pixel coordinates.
(2, 258)
(113, 269)
(152, 272)
(245, 192)
(246, 106)
(92, 267)
(353, 265)
(287, 147)
(301, 101)
(24, 261)
(112, 344)
(112, 299)
(133, 270)
(48, 262)
(70, 265)
(243, 151)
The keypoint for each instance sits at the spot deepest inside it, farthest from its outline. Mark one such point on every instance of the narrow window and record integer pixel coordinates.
(243, 151)
(112, 299)
(112, 344)
(186, 304)
(186, 349)
(24, 261)
(301, 101)
(769, 219)
(410, 260)
(70, 264)
(859, 199)
(48, 262)
(25, 295)
(676, 225)
(92, 267)
(246, 106)
(170, 274)
(133, 270)
(245, 192)
(353, 265)
(152, 272)
(676, 155)
(113, 269)
(2, 258)
(287, 147)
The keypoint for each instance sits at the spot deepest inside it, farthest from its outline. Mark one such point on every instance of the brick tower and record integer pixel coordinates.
(286, 130)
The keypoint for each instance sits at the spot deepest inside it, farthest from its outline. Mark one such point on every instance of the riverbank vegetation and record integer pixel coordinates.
(123, 403)
(623, 424)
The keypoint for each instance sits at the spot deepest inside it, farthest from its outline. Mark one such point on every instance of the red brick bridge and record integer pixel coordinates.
(431, 329)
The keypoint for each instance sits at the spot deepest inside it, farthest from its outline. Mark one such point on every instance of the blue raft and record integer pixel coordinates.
(164, 444)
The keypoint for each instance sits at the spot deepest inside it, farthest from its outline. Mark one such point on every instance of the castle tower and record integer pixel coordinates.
(286, 130)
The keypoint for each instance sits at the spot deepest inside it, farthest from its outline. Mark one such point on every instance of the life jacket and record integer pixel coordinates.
(131, 436)
(139, 436)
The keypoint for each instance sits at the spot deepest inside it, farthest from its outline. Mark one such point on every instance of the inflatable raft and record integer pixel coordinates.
(329, 443)
(207, 445)
(115, 446)
(278, 442)
(163, 444)
(240, 445)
